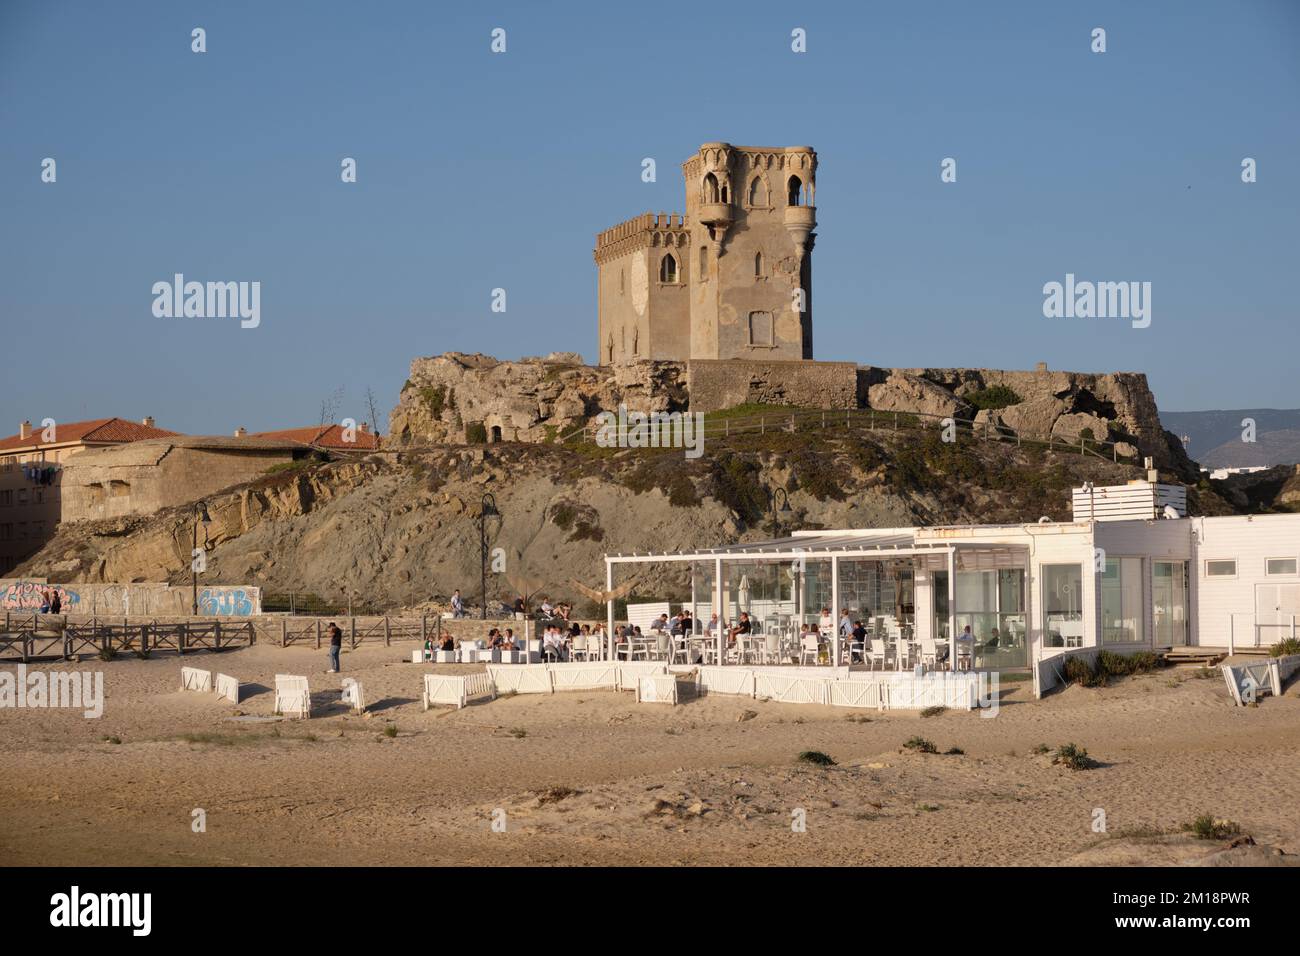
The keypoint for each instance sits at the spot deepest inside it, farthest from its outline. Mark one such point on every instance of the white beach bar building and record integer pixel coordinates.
(1130, 572)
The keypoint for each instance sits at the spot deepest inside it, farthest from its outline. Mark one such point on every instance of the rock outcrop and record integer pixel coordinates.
(458, 398)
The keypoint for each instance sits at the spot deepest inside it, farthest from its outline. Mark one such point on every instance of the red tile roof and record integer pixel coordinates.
(98, 430)
(328, 436)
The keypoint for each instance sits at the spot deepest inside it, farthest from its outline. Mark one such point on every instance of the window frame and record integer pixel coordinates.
(1295, 566)
(1209, 561)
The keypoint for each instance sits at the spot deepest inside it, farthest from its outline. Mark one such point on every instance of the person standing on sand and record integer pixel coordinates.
(56, 602)
(336, 646)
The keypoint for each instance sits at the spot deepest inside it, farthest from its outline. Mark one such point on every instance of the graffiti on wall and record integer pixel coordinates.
(30, 595)
(225, 601)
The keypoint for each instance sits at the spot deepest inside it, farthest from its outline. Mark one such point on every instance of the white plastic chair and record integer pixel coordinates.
(579, 650)
(929, 652)
(771, 648)
(877, 653)
(809, 645)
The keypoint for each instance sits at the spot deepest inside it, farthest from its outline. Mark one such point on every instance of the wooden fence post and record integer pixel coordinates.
(388, 634)
(424, 629)
(216, 633)
(354, 629)
(284, 631)
(318, 634)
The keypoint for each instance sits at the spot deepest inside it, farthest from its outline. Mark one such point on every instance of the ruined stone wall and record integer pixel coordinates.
(144, 477)
(713, 385)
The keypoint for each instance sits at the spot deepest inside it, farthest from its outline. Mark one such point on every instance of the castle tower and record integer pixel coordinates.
(730, 279)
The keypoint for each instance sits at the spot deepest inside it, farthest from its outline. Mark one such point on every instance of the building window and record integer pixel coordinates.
(1121, 602)
(796, 196)
(758, 265)
(704, 263)
(1063, 604)
(758, 192)
(760, 328)
(6, 497)
(1221, 569)
(710, 188)
(1283, 566)
(668, 269)
(38, 496)
(22, 496)
(622, 285)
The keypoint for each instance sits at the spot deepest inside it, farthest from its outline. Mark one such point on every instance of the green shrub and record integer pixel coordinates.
(476, 433)
(993, 398)
(1076, 758)
(920, 745)
(390, 730)
(816, 757)
(933, 711)
(435, 399)
(1079, 671)
(1290, 645)
(1206, 827)
(1111, 664)
(1041, 749)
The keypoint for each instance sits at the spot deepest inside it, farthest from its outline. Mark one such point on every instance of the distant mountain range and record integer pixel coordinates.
(1215, 437)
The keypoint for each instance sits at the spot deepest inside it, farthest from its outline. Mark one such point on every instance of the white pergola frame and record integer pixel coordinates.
(808, 547)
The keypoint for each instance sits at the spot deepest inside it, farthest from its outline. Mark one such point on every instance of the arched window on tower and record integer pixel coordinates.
(704, 263)
(760, 329)
(668, 269)
(758, 265)
(724, 194)
(710, 188)
(622, 284)
(758, 192)
(796, 191)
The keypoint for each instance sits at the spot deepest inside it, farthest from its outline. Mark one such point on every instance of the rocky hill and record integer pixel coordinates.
(471, 399)
(398, 529)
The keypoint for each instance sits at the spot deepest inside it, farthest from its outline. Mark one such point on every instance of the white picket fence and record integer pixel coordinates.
(292, 696)
(656, 689)
(457, 690)
(837, 687)
(228, 688)
(1247, 682)
(793, 689)
(192, 678)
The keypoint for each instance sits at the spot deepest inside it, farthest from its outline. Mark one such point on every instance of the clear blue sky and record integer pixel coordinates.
(479, 170)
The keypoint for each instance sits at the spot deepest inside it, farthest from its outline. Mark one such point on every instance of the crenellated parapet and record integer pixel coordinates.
(648, 230)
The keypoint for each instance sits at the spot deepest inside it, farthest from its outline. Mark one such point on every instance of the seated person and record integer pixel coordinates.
(562, 611)
(508, 640)
(494, 638)
(744, 627)
(660, 623)
(448, 643)
(712, 627)
(547, 609)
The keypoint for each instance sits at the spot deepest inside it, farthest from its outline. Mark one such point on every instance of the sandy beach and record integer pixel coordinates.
(593, 777)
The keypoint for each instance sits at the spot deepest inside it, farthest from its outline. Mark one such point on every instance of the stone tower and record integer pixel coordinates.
(732, 278)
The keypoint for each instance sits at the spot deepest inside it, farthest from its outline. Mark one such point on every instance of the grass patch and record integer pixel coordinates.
(518, 733)
(934, 711)
(920, 745)
(1041, 749)
(107, 653)
(1074, 757)
(927, 807)
(112, 740)
(954, 752)
(1207, 827)
(390, 730)
(816, 757)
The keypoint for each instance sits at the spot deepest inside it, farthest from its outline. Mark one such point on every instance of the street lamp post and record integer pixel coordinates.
(487, 510)
(200, 514)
